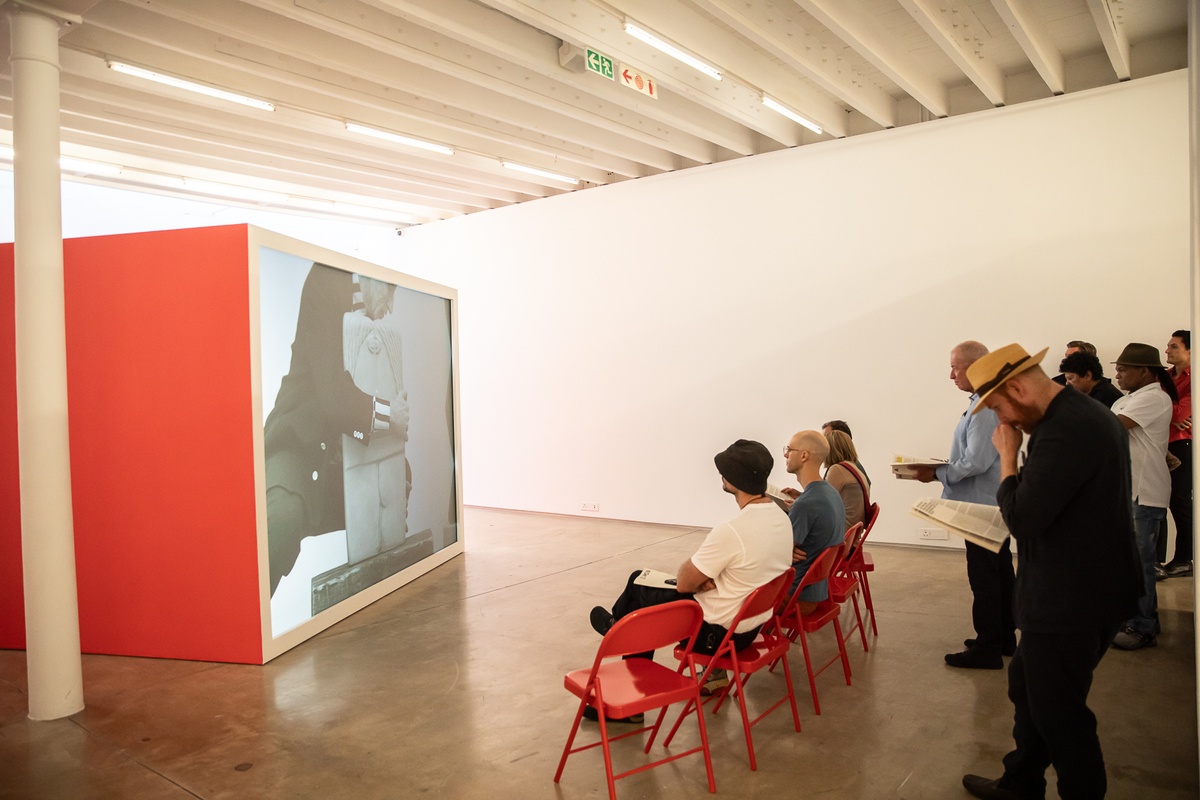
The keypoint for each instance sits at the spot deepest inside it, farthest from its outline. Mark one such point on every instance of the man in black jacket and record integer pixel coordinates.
(1078, 573)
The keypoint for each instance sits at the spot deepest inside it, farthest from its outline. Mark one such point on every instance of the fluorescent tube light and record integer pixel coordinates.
(778, 107)
(180, 83)
(233, 192)
(86, 167)
(153, 179)
(69, 164)
(671, 50)
(369, 212)
(554, 176)
(397, 138)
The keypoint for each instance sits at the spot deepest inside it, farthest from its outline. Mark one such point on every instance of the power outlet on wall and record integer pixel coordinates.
(592, 507)
(933, 533)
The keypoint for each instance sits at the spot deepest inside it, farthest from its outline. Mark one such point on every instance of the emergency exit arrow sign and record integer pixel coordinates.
(639, 82)
(599, 63)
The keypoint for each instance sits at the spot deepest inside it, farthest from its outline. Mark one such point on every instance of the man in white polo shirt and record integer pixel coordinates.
(1146, 414)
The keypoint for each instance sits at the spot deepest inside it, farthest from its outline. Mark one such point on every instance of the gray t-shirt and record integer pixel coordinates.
(818, 522)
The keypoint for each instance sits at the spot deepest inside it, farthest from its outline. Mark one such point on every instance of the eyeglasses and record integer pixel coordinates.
(788, 449)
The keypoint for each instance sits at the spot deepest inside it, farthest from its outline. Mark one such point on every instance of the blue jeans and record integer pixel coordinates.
(1146, 520)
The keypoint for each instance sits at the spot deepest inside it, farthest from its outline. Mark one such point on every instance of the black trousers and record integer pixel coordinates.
(1181, 504)
(635, 596)
(1049, 679)
(991, 577)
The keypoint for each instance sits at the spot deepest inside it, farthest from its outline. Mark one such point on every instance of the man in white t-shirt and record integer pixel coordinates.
(1146, 414)
(735, 558)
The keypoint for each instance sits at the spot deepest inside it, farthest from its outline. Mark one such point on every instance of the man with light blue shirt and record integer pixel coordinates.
(972, 475)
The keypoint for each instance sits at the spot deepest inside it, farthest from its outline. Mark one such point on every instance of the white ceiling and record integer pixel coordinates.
(487, 78)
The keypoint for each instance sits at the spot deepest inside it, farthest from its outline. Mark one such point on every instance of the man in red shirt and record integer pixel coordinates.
(1179, 356)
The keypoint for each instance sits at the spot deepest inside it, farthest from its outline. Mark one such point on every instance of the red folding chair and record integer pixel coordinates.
(796, 624)
(861, 563)
(768, 647)
(844, 583)
(621, 688)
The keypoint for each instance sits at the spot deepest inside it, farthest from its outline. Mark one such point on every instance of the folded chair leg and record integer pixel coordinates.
(862, 631)
(870, 604)
(570, 741)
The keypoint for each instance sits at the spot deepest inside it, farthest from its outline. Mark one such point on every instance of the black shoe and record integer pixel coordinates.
(1160, 572)
(973, 659)
(592, 714)
(1183, 569)
(1006, 650)
(602, 620)
(1129, 638)
(990, 789)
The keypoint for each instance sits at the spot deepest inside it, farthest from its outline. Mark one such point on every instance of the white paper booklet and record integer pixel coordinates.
(975, 522)
(903, 466)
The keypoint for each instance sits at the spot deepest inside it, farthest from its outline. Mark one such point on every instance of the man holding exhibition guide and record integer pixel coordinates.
(972, 475)
(1078, 573)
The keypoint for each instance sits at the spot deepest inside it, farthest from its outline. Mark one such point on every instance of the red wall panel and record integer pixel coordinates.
(158, 363)
(12, 598)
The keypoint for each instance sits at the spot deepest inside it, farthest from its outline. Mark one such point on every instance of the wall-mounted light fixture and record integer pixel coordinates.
(180, 83)
(554, 176)
(407, 141)
(779, 108)
(674, 52)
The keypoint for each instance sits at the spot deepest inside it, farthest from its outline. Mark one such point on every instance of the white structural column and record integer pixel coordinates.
(47, 530)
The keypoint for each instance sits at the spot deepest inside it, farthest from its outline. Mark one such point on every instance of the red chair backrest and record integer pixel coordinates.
(651, 628)
(765, 598)
(820, 569)
(870, 517)
(854, 539)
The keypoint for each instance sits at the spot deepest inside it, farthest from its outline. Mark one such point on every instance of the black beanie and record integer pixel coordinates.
(746, 465)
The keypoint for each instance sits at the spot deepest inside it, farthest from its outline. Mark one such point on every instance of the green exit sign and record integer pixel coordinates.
(600, 64)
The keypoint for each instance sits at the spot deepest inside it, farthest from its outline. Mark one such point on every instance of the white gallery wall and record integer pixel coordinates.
(613, 340)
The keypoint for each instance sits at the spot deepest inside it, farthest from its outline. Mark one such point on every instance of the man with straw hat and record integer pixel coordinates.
(1078, 575)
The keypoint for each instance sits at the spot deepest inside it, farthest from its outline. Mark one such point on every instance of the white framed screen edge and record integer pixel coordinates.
(257, 239)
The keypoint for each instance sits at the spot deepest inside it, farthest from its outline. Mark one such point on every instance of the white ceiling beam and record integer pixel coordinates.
(858, 29)
(539, 85)
(585, 24)
(790, 85)
(1034, 39)
(493, 31)
(950, 30)
(1112, 33)
(303, 70)
(752, 21)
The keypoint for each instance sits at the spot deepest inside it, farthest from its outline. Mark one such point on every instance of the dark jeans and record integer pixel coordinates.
(635, 596)
(1048, 683)
(991, 578)
(1181, 505)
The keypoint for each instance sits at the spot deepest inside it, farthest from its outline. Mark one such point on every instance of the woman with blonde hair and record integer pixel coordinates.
(843, 474)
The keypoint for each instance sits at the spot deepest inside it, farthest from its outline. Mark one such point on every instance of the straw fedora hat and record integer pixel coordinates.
(990, 372)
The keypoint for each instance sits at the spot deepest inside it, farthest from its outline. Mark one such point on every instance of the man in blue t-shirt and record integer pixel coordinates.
(817, 514)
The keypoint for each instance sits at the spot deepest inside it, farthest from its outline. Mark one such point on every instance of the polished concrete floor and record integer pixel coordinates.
(451, 687)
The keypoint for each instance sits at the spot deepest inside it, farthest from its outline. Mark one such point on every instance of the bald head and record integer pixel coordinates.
(970, 351)
(962, 356)
(813, 442)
